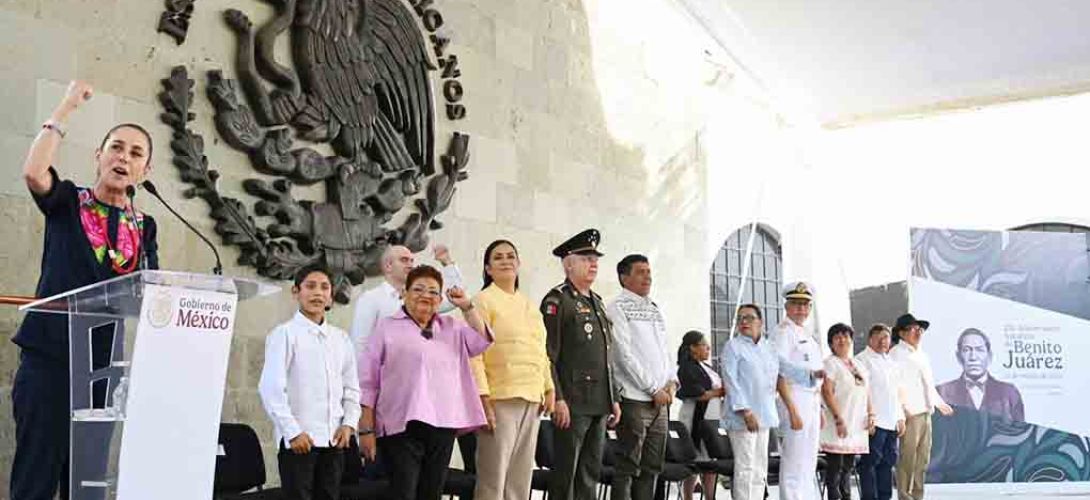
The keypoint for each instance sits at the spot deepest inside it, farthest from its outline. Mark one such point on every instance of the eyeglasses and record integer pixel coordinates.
(745, 318)
(431, 292)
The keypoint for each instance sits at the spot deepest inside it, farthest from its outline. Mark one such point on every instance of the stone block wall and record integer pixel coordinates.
(578, 113)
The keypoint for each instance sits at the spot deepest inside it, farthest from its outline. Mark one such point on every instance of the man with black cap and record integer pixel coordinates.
(578, 342)
(800, 404)
(920, 399)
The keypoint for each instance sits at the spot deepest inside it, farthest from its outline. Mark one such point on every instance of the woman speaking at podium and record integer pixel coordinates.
(91, 234)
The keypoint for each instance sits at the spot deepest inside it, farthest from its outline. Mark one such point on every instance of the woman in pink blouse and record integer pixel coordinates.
(417, 390)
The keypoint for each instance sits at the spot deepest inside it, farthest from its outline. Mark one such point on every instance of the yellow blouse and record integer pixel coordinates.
(516, 365)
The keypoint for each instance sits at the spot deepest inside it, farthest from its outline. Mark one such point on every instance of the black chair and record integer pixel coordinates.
(611, 451)
(773, 459)
(545, 458)
(240, 467)
(822, 468)
(462, 482)
(355, 483)
(680, 458)
(717, 445)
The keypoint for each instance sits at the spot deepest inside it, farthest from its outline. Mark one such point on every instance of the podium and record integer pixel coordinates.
(148, 367)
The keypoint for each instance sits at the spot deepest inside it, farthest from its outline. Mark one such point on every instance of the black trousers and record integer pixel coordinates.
(838, 476)
(876, 467)
(417, 460)
(39, 398)
(311, 476)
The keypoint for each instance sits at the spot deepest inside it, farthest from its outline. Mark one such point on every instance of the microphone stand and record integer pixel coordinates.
(149, 187)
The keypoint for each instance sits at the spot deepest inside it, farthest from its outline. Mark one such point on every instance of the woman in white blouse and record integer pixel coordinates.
(848, 415)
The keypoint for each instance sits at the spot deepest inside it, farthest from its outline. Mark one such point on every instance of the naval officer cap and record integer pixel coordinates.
(799, 290)
(584, 243)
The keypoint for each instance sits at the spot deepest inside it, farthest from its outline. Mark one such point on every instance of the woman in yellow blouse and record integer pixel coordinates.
(513, 378)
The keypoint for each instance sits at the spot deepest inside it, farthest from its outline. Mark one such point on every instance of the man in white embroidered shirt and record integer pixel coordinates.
(920, 400)
(310, 389)
(646, 374)
(385, 299)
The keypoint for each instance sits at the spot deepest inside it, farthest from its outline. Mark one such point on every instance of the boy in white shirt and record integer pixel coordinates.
(310, 390)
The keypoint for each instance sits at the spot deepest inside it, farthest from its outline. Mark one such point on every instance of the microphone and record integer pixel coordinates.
(149, 187)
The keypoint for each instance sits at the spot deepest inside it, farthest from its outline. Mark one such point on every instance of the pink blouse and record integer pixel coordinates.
(406, 377)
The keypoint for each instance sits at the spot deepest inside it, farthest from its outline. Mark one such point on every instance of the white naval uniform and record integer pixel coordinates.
(798, 455)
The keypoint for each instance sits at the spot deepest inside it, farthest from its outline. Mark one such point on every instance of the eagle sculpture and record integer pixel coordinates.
(358, 87)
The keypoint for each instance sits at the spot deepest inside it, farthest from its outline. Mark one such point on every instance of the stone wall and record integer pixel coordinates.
(582, 114)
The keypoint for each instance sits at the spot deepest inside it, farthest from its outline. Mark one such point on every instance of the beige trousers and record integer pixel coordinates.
(915, 455)
(505, 457)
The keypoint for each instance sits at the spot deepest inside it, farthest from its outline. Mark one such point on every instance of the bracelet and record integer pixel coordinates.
(366, 432)
(54, 126)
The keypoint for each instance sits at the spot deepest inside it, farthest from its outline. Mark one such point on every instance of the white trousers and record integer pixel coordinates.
(750, 464)
(798, 455)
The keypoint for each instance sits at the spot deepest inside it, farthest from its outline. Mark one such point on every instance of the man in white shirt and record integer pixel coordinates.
(887, 422)
(385, 299)
(645, 372)
(800, 412)
(310, 389)
(920, 399)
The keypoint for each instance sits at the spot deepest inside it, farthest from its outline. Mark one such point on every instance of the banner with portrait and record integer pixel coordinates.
(1010, 324)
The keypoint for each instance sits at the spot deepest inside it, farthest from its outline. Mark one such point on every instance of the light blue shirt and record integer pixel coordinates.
(750, 370)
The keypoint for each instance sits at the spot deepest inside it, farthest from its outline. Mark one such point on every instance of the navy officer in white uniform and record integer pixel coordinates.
(799, 405)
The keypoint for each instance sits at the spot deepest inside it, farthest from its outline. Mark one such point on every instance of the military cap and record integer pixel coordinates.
(584, 243)
(798, 290)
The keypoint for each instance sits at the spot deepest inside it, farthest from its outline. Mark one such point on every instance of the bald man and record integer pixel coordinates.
(385, 299)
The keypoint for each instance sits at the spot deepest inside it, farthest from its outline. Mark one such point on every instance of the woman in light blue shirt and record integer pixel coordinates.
(753, 373)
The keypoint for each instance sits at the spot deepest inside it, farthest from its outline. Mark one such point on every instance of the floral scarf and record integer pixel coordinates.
(94, 216)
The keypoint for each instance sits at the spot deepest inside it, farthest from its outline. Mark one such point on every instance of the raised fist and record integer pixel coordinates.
(78, 93)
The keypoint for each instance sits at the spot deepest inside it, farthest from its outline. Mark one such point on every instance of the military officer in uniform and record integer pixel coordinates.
(800, 405)
(578, 342)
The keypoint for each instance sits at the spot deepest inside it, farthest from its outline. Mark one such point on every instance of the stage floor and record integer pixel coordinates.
(1025, 491)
